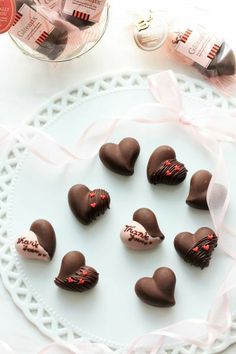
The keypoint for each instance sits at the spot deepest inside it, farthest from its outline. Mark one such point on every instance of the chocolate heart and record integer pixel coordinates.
(159, 290)
(143, 232)
(120, 158)
(199, 183)
(164, 168)
(38, 243)
(87, 205)
(74, 275)
(197, 248)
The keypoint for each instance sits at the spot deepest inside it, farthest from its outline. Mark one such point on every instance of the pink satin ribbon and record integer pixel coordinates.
(210, 126)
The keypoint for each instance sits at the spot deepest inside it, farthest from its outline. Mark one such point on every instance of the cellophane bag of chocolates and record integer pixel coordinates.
(44, 27)
(200, 47)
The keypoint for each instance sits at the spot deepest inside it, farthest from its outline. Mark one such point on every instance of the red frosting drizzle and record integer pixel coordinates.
(195, 249)
(167, 163)
(70, 280)
(177, 168)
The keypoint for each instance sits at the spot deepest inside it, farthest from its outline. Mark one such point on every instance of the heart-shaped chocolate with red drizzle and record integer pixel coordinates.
(143, 232)
(87, 205)
(120, 158)
(74, 275)
(159, 290)
(164, 168)
(38, 243)
(197, 248)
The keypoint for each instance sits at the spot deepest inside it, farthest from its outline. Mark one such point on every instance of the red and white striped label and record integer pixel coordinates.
(198, 45)
(81, 15)
(17, 18)
(88, 10)
(30, 27)
(185, 36)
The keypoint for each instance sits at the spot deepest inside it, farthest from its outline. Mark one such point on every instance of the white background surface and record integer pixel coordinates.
(25, 83)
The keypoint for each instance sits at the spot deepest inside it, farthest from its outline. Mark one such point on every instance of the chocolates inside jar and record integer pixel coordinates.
(37, 32)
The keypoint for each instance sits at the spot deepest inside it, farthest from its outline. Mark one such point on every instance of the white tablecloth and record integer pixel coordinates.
(26, 83)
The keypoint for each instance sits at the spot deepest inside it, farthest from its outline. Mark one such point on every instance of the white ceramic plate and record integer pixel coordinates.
(32, 189)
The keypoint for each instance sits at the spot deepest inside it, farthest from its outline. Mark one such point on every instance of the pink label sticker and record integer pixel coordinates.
(88, 10)
(30, 27)
(198, 45)
(7, 14)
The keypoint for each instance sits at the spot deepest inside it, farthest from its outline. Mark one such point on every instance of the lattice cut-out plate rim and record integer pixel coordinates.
(23, 295)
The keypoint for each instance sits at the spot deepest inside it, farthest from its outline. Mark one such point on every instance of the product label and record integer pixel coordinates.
(51, 4)
(88, 10)
(30, 27)
(198, 45)
(7, 14)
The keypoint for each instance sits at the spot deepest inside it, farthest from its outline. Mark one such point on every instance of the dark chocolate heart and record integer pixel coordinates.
(159, 290)
(199, 184)
(74, 275)
(87, 205)
(120, 158)
(164, 168)
(39, 242)
(143, 232)
(197, 248)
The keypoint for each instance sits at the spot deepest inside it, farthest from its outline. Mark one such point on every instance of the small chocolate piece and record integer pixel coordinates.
(143, 232)
(197, 248)
(74, 275)
(87, 205)
(223, 63)
(164, 168)
(199, 183)
(120, 158)
(39, 242)
(159, 290)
